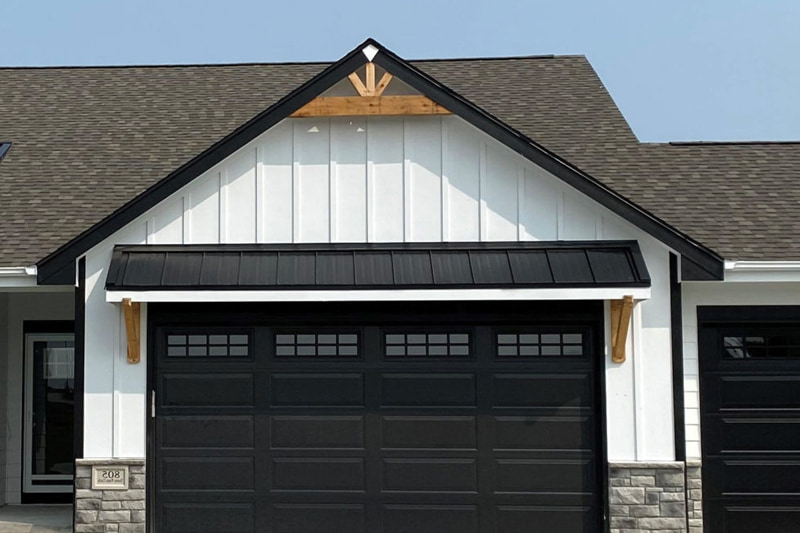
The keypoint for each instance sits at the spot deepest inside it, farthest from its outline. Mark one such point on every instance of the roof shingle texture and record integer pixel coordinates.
(88, 140)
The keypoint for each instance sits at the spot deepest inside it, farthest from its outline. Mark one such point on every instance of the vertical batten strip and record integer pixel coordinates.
(296, 231)
(482, 208)
(370, 199)
(367, 224)
(333, 181)
(560, 233)
(221, 201)
(257, 187)
(520, 199)
(445, 182)
(406, 185)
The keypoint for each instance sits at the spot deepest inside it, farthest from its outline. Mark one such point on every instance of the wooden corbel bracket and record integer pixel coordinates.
(132, 311)
(620, 321)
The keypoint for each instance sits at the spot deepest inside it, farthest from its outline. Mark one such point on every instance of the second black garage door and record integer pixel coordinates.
(750, 396)
(384, 418)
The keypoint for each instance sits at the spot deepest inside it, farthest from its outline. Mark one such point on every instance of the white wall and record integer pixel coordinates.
(378, 180)
(696, 294)
(22, 306)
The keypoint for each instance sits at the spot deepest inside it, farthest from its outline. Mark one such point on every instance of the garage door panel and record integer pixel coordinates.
(317, 390)
(318, 432)
(428, 390)
(207, 390)
(544, 476)
(317, 474)
(207, 517)
(518, 519)
(430, 475)
(206, 431)
(430, 519)
(758, 392)
(768, 518)
(752, 435)
(429, 432)
(542, 390)
(318, 518)
(543, 433)
(755, 477)
(217, 474)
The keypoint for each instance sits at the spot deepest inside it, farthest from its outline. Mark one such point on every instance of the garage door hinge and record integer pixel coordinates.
(152, 404)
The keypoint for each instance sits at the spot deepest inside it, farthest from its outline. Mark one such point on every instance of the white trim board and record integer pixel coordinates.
(380, 295)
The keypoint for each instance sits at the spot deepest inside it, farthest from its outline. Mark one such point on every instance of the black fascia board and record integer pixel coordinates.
(705, 258)
(5, 146)
(60, 265)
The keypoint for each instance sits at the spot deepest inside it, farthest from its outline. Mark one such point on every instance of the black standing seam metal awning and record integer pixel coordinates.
(561, 264)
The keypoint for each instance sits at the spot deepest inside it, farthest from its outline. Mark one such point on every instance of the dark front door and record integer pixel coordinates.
(750, 396)
(383, 418)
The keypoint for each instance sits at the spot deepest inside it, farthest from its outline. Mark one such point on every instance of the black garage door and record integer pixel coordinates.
(435, 418)
(750, 397)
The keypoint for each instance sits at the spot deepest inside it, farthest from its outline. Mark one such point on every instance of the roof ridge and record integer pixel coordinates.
(276, 63)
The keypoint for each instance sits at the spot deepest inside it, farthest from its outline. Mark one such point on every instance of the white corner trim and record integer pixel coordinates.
(768, 271)
(18, 276)
(370, 51)
(378, 295)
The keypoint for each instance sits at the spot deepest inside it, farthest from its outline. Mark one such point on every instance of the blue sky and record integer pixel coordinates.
(678, 69)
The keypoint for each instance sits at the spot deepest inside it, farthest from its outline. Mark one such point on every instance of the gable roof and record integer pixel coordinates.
(96, 137)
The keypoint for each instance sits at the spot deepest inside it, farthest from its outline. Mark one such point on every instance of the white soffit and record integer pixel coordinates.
(380, 295)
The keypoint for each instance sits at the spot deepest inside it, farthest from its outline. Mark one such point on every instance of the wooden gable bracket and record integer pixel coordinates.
(620, 321)
(370, 100)
(132, 311)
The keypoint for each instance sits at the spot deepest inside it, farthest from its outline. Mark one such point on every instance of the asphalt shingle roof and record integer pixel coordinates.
(87, 140)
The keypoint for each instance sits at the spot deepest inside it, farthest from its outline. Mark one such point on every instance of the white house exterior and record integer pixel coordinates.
(356, 314)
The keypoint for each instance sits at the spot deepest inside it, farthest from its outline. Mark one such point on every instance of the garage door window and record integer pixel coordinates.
(310, 344)
(216, 344)
(539, 343)
(772, 343)
(427, 344)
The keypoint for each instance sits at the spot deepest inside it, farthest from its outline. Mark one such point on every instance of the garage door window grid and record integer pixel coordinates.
(534, 342)
(440, 343)
(310, 344)
(762, 343)
(208, 344)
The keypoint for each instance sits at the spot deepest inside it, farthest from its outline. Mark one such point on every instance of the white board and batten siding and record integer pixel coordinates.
(379, 179)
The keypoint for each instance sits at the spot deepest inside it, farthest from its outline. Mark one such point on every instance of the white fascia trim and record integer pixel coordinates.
(767, 271)
(18, 276)
(378, 295)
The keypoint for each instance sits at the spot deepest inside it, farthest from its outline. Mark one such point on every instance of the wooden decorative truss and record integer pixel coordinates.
(370, 100)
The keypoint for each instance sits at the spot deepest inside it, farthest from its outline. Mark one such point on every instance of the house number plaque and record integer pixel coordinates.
(109, 477)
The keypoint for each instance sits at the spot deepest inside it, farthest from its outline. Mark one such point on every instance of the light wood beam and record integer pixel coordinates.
(381, 86)
(620, 321)
(358, 84)
(132, 311)
(338, 106)
(370, 79)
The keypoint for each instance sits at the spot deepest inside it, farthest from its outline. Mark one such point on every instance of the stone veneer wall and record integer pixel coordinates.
(110, 511)
(694, 496)
(647, 497)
